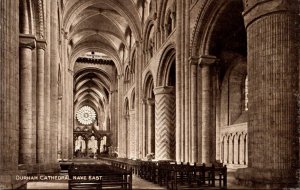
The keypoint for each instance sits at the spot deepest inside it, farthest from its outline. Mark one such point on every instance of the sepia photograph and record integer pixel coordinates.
(150, 94)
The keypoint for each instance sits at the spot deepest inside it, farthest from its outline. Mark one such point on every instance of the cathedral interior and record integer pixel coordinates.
(198, 81)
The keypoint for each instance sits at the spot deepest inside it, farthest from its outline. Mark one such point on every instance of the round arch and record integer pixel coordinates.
(205, 24)
(96, 47)
(165, 64)
(148, 85)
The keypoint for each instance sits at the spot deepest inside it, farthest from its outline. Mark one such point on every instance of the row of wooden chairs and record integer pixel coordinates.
(93, 176)
(174, 175)
(127, 164)
(183, 175)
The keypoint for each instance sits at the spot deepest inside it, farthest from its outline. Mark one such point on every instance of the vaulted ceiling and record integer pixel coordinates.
(106, 26)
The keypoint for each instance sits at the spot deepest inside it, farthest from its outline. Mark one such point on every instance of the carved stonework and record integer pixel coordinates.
(41, 44)
(27, 41)
(41, 19)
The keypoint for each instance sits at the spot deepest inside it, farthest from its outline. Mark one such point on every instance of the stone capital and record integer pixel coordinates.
(150, 101)
(207, 60)
(258, 9)
(27, 41)
(163, 90)
(143, 101)
(120, 76)
(137, 43)
(41, 44)
(193, 60)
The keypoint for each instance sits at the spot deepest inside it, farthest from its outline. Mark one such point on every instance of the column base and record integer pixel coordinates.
(45, 168)
(267, 178)
(9, 179)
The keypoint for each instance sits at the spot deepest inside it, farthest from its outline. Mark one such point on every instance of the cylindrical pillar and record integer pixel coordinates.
(194, 111)
(47, 85)
(9, 95)
(27, 151)
(132, 141)
(206, 93)
(150, 125)
(273, 57)
(54, 82)
(143, 131)
(41, 46)
(164, 123)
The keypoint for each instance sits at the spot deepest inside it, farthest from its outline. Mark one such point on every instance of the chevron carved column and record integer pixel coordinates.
(164, 123)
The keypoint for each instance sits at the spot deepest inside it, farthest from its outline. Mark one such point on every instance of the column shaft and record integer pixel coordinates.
(9, 88)
(271, 89)
(150, 125)
(194, 111)
(206, 94)
(143, 131)
(47, 86)
(164, 123)
(273, 58)
(27, 151)
(54, 82)
(41, 45)
(9, 95)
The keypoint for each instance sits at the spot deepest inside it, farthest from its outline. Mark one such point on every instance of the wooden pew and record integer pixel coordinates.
(91, 176)
(191, 176)
(183, 175)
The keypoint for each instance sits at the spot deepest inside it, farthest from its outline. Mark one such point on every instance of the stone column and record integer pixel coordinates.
(47, 85)
(26, 151)
(71, 113)
(138, 96)
(132, 135)
(164, 123)
(120, 142)
(54, 82)
(194, 110)
(179, 82)
(273, 57)
(60, 127)
(125, 137)
(207, 145)
(143, 131)
(41, 46)
(9, 95)
(150, 125)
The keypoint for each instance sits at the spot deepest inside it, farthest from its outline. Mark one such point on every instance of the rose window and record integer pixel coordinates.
(86, 115)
